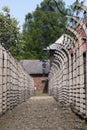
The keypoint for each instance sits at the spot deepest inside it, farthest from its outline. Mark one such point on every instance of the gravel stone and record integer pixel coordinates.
(41, 113)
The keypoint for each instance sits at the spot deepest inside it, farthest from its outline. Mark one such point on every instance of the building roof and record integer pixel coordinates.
(36, 66)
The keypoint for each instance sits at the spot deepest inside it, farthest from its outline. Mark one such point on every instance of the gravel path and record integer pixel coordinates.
(41, 113)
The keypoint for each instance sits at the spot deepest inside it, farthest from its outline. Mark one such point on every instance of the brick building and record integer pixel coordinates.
(39, 70)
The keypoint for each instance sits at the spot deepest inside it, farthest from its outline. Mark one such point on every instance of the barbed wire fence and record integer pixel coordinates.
(16, 86)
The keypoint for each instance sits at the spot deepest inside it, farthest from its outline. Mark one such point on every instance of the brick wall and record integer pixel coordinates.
(40, 83)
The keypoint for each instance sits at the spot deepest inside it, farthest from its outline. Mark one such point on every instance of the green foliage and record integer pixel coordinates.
(42, 28)
(9, 31)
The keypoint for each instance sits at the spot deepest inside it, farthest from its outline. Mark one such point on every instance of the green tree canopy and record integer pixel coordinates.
(42, 28)
(9, 31)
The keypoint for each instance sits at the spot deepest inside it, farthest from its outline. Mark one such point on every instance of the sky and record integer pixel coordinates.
(19, 8)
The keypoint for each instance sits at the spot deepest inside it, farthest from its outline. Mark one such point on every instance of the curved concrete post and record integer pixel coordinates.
(79, 97)
(66, 72)
(81, 23)
(75, 33)
(81, 6)
(54, 69)
(62, 80)
(62, 75)
(69, 75)
(52, 78)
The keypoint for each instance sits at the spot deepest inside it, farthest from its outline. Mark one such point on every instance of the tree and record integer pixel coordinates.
(42, 28)
(9, 31)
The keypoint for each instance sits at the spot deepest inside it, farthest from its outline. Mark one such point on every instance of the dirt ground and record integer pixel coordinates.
(41, 113)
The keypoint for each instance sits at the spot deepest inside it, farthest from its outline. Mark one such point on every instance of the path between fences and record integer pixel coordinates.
(41, 113)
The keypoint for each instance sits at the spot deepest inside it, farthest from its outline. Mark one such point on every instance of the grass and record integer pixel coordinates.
(41, 94)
